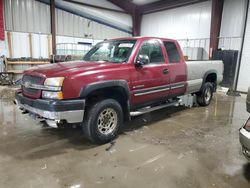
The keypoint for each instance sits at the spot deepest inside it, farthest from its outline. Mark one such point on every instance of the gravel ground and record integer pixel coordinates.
(7, 93)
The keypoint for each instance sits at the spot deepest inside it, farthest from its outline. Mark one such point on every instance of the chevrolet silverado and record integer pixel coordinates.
(116, 79)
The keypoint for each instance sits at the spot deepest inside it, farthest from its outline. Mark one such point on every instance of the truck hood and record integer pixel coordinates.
(66, 69)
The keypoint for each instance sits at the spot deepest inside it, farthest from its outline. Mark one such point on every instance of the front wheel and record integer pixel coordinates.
(205, 95)
(103, 122)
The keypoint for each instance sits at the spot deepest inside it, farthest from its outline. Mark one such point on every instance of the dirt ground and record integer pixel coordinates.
(175, 147)
(7, 94)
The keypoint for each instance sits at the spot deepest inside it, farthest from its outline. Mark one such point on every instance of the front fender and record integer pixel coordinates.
(104, 84)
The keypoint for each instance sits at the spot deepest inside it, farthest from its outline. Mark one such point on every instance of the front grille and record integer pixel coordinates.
(30, 92)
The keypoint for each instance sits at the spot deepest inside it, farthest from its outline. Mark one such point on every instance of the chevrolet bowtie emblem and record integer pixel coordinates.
(27, 84)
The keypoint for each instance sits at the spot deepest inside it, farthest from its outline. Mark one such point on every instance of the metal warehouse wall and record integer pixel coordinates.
(233, 18)
(33, 16)
(26, 16)
(71, 25)
(244, 78)
(232, 24)
(40, 44)
(185, 22)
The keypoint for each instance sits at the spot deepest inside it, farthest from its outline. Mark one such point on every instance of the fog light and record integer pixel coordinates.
(52, 95)
(246, 153)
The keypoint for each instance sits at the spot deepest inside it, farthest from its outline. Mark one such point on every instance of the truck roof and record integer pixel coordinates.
(142, 38)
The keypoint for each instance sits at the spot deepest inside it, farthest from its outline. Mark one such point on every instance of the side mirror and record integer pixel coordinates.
(142, 60)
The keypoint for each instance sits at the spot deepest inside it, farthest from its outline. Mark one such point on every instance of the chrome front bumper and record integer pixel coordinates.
(245, 142)
(71, 111)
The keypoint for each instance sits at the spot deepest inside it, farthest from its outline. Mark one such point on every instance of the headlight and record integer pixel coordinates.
(57, 81)
(52, 95)
(247, 125)
(53, 88)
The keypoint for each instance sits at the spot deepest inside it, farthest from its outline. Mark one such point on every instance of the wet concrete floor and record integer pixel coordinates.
(175, 147)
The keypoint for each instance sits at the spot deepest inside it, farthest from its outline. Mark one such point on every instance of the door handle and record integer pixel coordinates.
(165, 71)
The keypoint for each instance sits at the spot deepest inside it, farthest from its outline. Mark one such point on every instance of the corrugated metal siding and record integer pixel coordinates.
(33, 16)
(72, 25)
(232, 24)
(40, 44)
(4, 46)
(244, 78)
(114, 20)
(2, 52)
(26, 16)
(185, 22)
(21, 48)
(233, 18)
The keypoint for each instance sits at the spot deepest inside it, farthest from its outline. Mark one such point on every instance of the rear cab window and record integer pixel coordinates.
(172, 52)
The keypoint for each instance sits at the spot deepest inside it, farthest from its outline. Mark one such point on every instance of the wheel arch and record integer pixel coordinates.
(211, 76)
(115, 89)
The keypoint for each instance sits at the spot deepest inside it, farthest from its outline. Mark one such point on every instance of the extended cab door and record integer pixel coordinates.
(177, 68)
(150, 81)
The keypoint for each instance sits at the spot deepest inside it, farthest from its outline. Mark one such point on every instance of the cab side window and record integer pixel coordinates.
(173, 54)
(153, 50)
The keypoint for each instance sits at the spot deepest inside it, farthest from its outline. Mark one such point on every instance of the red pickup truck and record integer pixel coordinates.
(116, 79)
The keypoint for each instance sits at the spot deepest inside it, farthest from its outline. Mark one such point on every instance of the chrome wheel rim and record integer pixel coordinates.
(107, 121)
(208, 95)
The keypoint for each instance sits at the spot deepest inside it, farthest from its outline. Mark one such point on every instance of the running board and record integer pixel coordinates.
(150, 109)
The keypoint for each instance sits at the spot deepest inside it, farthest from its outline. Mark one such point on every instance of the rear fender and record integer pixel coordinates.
(206, 75)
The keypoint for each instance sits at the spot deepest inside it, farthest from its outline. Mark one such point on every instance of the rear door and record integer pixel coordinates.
(177, 68)
(150, 82)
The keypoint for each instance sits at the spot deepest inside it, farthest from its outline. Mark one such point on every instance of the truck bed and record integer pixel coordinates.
(196, 70)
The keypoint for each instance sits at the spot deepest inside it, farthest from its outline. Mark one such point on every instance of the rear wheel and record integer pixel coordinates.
(205, 95)
(104, 121)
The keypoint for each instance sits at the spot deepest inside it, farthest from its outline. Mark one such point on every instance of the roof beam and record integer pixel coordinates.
(95, 6)
(85, 13)
(166, 4)
(136, 18)
(126, 5)
(134, 11)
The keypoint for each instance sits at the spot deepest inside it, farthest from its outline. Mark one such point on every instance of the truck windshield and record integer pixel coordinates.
(115, 51)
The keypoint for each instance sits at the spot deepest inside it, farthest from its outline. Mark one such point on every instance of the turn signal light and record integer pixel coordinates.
(52, 95)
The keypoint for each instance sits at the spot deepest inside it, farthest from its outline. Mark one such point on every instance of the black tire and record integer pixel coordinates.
(96, 115)
(205, 95)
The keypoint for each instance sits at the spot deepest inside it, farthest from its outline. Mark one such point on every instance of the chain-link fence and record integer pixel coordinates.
(73, 49)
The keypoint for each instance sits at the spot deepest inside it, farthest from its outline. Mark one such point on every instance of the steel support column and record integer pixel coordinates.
(53, 26)
(1, 21)
(134, 11)
(217, 7)
(137, 17)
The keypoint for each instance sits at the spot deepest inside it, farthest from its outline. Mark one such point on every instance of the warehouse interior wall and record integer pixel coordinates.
(68, 24)
(190, 25)
(232, 24)
(23, 17)
(27, 16)
(181, 23)
(119, 21)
